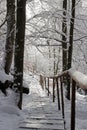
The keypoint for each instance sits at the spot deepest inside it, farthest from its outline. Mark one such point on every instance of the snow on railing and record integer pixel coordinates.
(79, 78)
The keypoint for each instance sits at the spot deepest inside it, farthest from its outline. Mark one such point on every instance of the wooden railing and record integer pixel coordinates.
(77, 78)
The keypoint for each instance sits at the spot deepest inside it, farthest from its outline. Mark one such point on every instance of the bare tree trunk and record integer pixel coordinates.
(64, 30)
(64, 39)
(19, 49)
(71, 44)
(10, 35)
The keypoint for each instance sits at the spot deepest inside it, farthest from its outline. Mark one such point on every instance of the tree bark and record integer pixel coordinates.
(19, 49)
(10, 35)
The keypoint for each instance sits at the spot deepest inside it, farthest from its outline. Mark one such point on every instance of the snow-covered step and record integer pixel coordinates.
(46, 116)
(43, 121)
(41, 126)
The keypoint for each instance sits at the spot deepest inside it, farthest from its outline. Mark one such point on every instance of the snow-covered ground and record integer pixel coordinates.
(11, 116)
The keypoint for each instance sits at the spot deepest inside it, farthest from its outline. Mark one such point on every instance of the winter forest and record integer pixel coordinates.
(43, 64)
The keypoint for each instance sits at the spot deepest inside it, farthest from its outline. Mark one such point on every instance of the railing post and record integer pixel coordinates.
(73, 105)
(58, 96)
(48, 86)
(45, 83)
(53, 89)
(62, 97)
